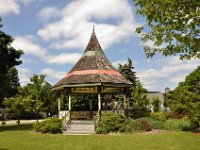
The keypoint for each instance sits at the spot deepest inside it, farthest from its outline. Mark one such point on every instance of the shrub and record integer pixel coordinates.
(143, 124)
(160, 116)
(137, 125)
(50, 125)
(156, 124)
(176, 115)
(172, 124)
(138, 113)
(179, 124)
(110, 122)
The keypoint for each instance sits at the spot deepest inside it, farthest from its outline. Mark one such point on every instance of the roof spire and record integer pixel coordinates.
(93, 30)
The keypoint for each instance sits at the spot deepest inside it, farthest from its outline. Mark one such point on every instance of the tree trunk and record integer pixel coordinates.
(37, 114)
(18, 121)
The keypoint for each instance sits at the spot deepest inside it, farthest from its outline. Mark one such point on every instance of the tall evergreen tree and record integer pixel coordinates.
(127, 71)
(9, 58)
(140, 101)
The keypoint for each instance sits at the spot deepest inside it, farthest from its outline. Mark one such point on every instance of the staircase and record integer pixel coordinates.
(78, 127)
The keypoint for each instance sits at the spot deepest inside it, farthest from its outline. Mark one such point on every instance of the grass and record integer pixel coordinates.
(22, 137)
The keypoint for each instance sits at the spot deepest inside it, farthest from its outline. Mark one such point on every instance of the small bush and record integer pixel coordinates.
(143, 124)
(176, 115)
(50, 125)
(138, 125)
(110, 122)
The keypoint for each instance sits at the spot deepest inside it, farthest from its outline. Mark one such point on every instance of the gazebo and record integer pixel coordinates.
(93, 74)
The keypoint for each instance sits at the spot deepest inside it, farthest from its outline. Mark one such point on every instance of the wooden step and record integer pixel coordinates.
(81, 127)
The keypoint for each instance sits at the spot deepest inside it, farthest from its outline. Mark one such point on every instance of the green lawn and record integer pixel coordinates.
(23, 138)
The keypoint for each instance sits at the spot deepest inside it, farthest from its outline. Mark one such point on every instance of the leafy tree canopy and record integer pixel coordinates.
(186, 97)
(174, 24)
(44, 99)
(17, 106)
(9, 58)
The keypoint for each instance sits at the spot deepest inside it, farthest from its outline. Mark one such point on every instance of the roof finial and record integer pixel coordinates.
(93, 31)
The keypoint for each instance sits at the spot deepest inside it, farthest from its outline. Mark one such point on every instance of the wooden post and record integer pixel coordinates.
(90, 108)
(128, 103)
(125, 103)
(99, 102)
(58, 107)
(69, 105)
(125, 100)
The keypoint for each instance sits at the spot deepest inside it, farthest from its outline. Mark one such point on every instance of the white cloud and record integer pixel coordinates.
(74, 27)
(24, 75)
(28, 46)
(13, 6)
(151, 44)
(52, 73)
(9, 6)
(171, 72)
(26, 2)
(177, 79)
(63, 58)
(48, 13)
(116, 63)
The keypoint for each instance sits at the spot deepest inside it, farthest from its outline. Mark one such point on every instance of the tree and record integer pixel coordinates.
(174, 27)
(156, 104)
(13, 80)
(186, 98)
(43, 97)
(17, 106)
(192, 81)
(9, 59)
(140, 101)
(127, 71)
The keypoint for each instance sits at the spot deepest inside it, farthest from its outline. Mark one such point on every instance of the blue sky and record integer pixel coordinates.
(54, 34)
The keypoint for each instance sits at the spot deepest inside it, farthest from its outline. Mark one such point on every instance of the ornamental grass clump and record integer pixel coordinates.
(138, 125)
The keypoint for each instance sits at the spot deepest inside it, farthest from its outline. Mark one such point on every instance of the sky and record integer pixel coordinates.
(54, 33)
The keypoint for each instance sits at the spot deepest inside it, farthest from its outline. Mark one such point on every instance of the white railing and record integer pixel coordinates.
(65, 116)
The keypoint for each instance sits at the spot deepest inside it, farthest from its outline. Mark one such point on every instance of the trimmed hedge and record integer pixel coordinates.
(50, 125)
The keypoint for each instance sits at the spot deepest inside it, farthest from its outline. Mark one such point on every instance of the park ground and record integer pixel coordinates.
(13, 137)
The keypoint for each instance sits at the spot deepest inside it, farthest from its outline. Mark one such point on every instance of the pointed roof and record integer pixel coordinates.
(93, 67)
